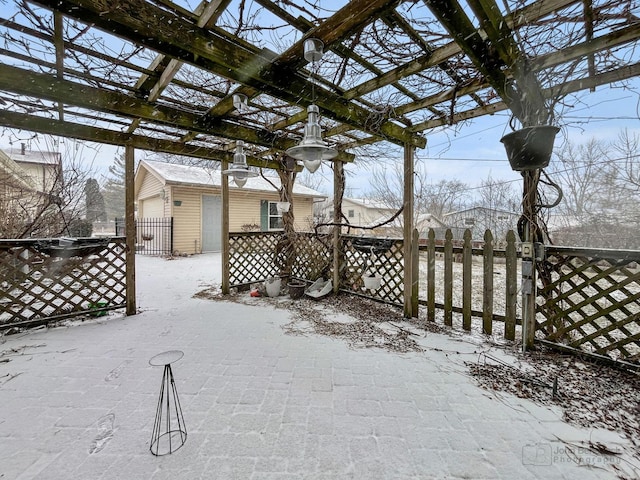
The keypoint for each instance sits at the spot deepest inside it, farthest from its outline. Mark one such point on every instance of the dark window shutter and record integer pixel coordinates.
(264, 215)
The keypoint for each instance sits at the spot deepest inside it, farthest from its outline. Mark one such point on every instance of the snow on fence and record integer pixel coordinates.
(50, 279)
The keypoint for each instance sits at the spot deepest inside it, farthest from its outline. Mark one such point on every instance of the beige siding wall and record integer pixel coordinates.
(187, 218)
(303, 211)
(151, 208)
(150, 186)
(44, 177)
(150, 201)
(244, 209)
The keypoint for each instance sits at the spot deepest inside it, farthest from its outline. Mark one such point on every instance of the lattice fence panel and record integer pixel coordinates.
(314, 257)
(40, 284)
(382, 261)
(252, 257)
(590, 299)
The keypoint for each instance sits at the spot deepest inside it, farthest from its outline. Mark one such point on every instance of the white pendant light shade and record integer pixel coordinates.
(239, 101)
(312, 149)
(239, 169)
(312, 165)
(313, 50)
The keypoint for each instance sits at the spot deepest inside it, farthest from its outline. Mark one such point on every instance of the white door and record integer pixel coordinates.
(211, 223)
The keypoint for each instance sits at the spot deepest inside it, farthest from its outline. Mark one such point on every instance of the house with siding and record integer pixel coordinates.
(479, 219)
(192, 196)
(29, 185)
(359, 212)
(41, 169)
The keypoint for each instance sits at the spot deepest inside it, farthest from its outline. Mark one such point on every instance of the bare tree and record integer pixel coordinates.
(601, 190)
(581, 171)
(430, 199)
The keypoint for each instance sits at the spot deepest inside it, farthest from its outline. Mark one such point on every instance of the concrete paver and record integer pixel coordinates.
(79, 402)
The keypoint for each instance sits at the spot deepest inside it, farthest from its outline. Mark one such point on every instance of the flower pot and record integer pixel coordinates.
(282, 207)
(531, 147)
(296, 289)
(372, 282)
(272, 286)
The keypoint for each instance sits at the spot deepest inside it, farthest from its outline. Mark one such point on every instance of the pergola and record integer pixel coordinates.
(160, 75)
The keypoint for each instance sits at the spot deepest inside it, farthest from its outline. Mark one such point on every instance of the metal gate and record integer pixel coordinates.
(154, 236)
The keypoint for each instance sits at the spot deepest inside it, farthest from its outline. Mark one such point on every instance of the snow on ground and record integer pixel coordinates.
(78, 401)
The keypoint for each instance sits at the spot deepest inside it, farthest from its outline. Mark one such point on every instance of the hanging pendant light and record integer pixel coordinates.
(240, 102)
(312, 149)
(239, 169)
(313, 50)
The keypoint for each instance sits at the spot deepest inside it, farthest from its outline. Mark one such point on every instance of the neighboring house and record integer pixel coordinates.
(358, 211)
(28, 181)
(480, 219)
(362, 212)
(422, 222)
(192, 196)
(42, 169)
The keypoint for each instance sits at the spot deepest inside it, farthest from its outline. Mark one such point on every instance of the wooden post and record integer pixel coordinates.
(466, 280)
(487, 287)
(407, 215)
(529, 200)
(448, 278)
(226, 250)
(338, 192)
(431, 276)
(415, 269)
(130, 228)
(511, 288)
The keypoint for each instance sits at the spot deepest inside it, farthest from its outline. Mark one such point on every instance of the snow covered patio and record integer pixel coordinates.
(78, 401)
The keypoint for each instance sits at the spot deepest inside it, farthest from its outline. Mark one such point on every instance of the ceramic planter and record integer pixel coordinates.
(296, 289)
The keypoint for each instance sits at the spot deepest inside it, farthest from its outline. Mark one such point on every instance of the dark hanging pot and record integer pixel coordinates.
(531, 147)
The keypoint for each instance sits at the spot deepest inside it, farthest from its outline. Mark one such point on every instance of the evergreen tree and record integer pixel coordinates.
(94, 202)
(113, 190)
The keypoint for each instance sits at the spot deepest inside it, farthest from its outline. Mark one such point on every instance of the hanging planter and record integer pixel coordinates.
(531, 147)
(371, 281)
(283, 207)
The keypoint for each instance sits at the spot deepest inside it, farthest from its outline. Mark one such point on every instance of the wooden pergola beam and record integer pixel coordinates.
(489, 64)
(500, 36)
(145, 24)
(67, 129)
(43, 86)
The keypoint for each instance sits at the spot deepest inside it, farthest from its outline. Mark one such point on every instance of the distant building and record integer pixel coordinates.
(361, 212)
(358, 212)
(43, 170)
(480, 219)
(30, 183)
(192, 196)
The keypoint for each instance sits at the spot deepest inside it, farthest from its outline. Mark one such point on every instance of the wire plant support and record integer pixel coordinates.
(169, 430)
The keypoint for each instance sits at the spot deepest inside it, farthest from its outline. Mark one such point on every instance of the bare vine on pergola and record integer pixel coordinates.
(162, 79)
